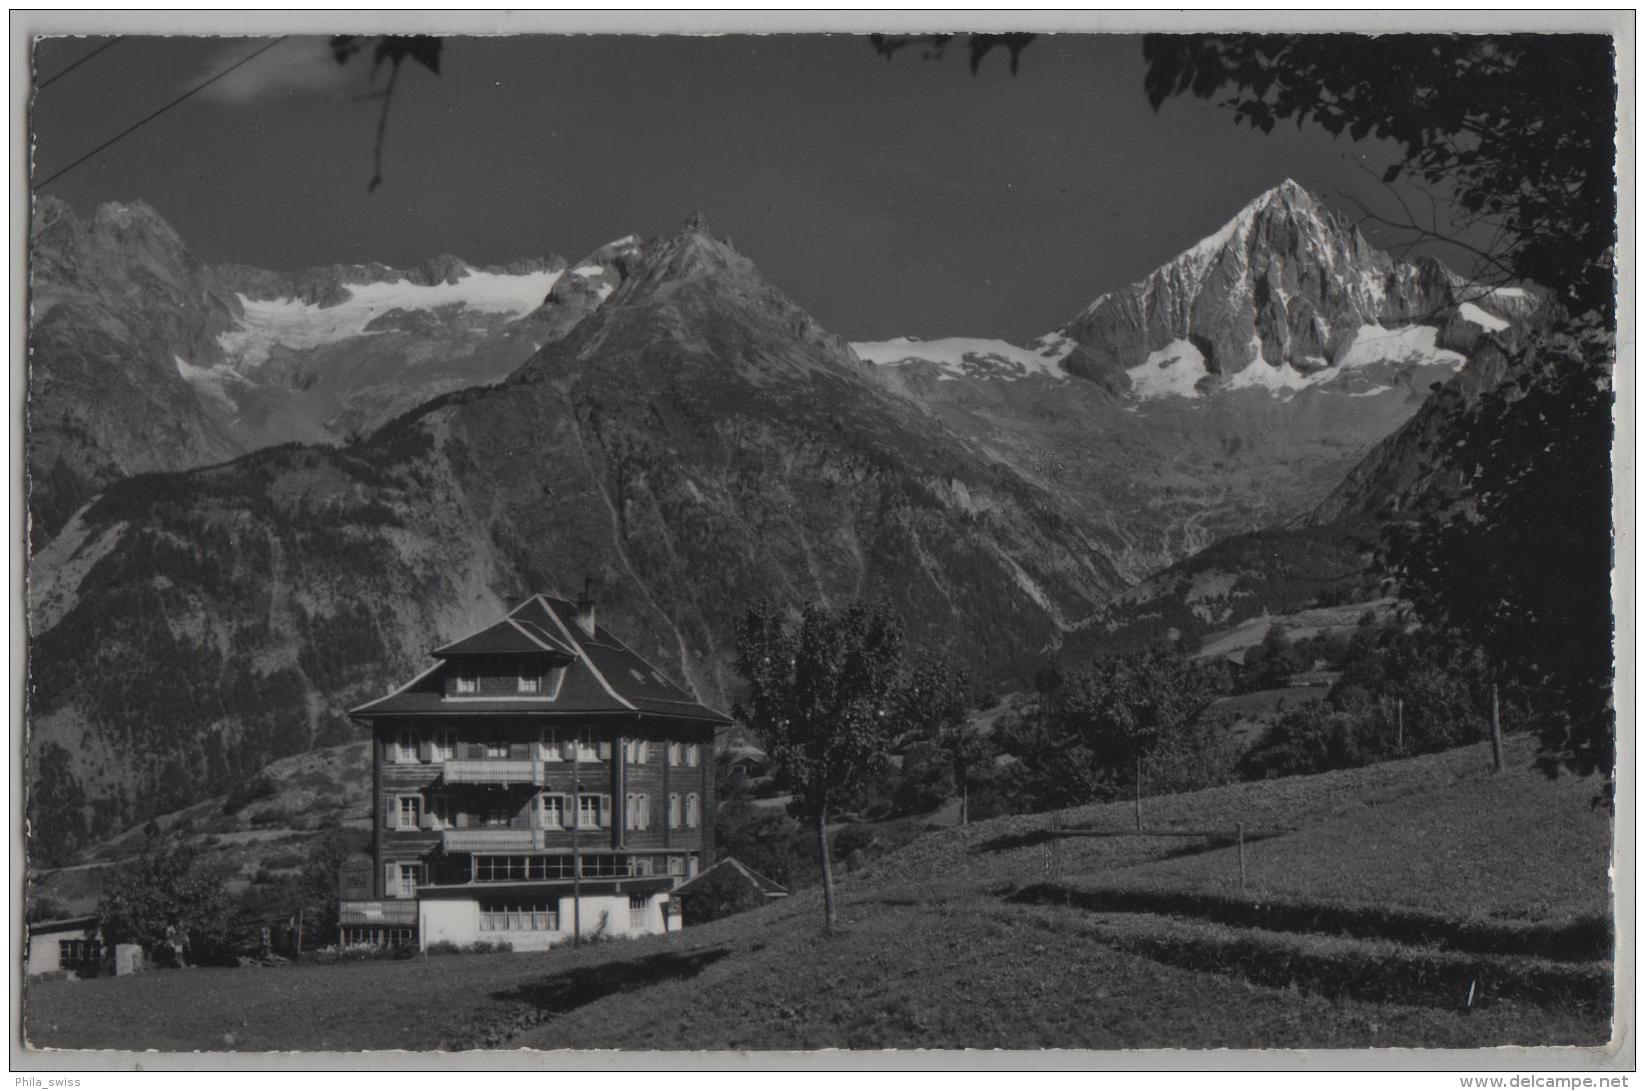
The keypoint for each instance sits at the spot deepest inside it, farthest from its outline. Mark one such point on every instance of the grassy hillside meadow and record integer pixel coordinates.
(1370, 925)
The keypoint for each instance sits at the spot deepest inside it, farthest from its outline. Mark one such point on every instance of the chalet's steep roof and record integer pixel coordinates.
(759, 882)
(508, 637)
(603, 675)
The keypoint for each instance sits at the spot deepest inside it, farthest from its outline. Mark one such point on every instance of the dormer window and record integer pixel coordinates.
(467, 682)
(530, 683)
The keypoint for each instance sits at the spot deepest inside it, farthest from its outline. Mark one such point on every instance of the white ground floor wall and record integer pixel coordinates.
(463, 921)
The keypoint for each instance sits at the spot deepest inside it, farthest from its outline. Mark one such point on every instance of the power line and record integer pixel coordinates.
(192, 91)
(110, 44)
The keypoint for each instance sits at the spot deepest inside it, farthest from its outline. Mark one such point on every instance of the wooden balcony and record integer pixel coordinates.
(490, 840)
(492, 771)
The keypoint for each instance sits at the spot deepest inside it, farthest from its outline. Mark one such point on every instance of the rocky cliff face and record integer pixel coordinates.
(144, 359)
(1283, 292)
(695, 445)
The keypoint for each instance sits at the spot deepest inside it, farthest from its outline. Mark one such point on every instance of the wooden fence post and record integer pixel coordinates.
(1399, 711)
(1056, 847)
(1496, 731)
(1241, 833)
(1139, 792)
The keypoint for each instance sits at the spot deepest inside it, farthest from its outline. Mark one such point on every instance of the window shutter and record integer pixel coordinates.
(605, 810)
(391, 880)
(519, 751)
(605, 749)
(568, 748)
(391, 812)
(425, 750)
(645, 812)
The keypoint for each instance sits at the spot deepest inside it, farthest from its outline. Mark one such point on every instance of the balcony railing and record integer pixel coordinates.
(499, 840)
(492, 771)
(375, 912)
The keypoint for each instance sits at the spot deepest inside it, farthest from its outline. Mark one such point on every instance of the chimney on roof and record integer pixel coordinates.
(585, 608)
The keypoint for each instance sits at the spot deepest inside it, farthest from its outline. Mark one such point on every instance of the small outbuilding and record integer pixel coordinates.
(728, 887)
(70, 945)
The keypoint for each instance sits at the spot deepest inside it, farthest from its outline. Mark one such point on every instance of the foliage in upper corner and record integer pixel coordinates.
(396, 49)
(977, 46)
(1520, 127)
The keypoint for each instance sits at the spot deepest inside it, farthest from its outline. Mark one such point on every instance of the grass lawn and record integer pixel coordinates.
(952, 972)
(1513, 845)
(935, 953)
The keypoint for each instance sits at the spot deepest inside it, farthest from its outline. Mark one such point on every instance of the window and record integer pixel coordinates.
(377, 937)
(497, 814)
(519, 915)
(674, 811)
(74, 952)
(552, 809)
(676, 754)
(693, 811)
(410, 812)
(467, 682)
(591, 749)
(637, 751)
(589, 813)
(405, 745)
(637, 815)
(605, 866)
(676, 865)
(549, 745)
(500, 869)
(443, 811)
(693, 754)
(410, 876)
(496, 750)
(643, 865)
(529, 683)
(639, 910)
(445, 745)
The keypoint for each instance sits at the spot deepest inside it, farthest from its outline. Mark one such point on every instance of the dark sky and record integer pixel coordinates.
(908, 197)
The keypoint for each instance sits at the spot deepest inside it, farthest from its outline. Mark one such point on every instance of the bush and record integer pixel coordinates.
(1315, 738)
(247, 792)
(479, 947)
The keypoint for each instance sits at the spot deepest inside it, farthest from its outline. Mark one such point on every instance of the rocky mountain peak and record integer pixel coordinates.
(1281, 291)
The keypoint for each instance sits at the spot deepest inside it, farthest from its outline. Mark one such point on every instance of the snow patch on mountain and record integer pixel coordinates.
(969, 357)
(1482, 318)
(1401, 344)
(299, 325)
(1173, 371)
(1178, 369)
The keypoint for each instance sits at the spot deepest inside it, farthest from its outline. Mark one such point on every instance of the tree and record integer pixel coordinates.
(935, 704)
(57, 808)
(168, 902)
(821, 692)
(1519, 563)
(1092, 729)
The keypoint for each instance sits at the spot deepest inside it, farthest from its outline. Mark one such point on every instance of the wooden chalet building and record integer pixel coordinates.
(540, 781)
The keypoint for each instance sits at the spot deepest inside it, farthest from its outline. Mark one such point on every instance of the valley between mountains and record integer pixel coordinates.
(259, 498)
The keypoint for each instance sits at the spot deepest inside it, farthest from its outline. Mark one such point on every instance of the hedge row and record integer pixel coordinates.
(1583, 939)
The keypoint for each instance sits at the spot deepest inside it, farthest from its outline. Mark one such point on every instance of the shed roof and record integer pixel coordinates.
(768, 887)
